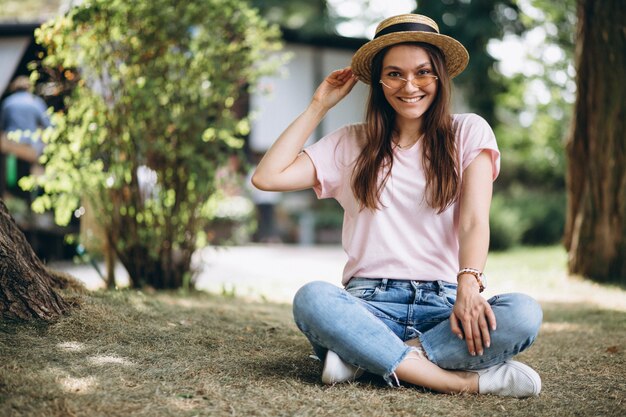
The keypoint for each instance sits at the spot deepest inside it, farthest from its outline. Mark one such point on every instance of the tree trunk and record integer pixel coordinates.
(109, 260)
(26, 286)
(595, 233)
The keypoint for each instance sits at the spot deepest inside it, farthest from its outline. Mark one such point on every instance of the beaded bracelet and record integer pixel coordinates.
(480, 277)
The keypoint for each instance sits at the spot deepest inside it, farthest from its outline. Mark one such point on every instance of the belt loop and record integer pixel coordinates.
(383, 284)
(440, 289)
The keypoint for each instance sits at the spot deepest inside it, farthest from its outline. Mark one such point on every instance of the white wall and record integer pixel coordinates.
(11, 51)
(352, 108)
(289, 95)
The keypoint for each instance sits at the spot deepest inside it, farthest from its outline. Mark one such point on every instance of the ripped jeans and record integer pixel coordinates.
(367, 323)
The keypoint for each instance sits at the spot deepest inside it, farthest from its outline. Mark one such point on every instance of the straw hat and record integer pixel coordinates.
(409, 28)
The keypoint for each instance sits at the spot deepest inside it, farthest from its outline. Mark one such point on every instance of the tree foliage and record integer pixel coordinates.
(535, 110)
(474, 23)
(307, 16)
(155, 112)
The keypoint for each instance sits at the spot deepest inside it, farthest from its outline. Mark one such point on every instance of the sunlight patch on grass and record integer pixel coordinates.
(108, 359)
(564, 327)
(541, 272)
(139, 304)
(71, 346)
(80, 386)
(190, 303)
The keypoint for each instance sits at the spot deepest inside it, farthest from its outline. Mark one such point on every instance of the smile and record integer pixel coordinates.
(410, 99)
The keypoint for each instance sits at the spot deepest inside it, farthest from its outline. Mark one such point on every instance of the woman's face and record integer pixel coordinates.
(408, 62)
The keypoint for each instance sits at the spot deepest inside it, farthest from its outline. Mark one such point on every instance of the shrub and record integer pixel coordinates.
(527, 217)
(155, 111)
(506, 226)
(545, 217)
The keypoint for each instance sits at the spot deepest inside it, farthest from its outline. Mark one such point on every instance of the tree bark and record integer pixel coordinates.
(595, 232)
(27, 288)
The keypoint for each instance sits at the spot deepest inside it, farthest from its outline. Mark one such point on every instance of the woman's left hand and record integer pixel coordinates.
(472, 317)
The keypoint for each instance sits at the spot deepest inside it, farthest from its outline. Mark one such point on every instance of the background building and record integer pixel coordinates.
(278, 101)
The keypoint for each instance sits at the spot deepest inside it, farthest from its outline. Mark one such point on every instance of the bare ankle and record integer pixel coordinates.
(471, 379)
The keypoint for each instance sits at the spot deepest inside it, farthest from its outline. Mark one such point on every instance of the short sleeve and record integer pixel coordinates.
(475, 135)
(332, 157)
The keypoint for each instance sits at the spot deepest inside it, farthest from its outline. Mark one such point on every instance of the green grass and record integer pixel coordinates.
(129, 353)
(541, 272)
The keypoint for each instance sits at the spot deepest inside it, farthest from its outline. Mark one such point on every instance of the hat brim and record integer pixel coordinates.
(455, 54)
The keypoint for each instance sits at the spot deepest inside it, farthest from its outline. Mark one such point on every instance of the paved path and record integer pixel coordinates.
(275, 272)
(272, 272)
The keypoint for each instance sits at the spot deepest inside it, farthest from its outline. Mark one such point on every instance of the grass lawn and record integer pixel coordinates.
(131, 353)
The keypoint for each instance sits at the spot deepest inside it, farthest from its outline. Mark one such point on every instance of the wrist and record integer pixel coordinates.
(471, 275)
(317, 108)
(467, 281)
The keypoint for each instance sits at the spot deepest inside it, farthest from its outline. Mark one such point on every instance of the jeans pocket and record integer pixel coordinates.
(448, 296)
(363, 293)
(442, 297)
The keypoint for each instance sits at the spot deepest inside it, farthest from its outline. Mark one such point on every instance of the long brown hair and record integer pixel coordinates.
(439, 156)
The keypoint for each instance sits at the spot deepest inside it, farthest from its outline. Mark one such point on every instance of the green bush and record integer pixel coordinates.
(544, 214)
(154, 113)
(526, 217)
(328, 214)
(506, 226)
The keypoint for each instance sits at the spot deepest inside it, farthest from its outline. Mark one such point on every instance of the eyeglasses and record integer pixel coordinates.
(419, 81)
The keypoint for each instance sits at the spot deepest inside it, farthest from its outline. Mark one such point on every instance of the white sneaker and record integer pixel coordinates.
(337, 371)
(509, 379)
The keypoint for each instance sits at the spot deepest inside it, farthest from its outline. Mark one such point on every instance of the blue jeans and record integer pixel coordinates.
(367, 323)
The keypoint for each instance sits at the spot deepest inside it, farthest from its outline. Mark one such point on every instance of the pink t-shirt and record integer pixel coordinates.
(405, 238)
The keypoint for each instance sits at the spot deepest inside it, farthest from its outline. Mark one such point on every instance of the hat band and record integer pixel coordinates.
(405, 27)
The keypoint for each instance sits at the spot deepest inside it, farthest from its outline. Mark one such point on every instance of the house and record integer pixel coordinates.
(300, 217)
(313, 57)
(276, 103)
(17, 48)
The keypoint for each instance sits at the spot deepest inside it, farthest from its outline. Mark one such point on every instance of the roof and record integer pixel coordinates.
(324, 40)
(18, 29)
(289, 35)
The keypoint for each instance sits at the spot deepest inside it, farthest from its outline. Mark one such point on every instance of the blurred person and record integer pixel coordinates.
(22, 116)
(415, 184)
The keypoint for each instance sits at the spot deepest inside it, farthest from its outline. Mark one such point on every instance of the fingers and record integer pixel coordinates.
(455, 327)
(469, 333)
(469, 336)
(491, 317)
(478, 338)
(484, 331)
(335, 87)
(474, 328)
(486, 320)
(347, 87)
(341, 77)
(343, 73)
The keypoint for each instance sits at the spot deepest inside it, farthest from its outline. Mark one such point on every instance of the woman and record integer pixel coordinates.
(415, 183)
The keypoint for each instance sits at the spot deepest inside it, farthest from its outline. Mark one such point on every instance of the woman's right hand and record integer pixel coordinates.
(334, 88)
